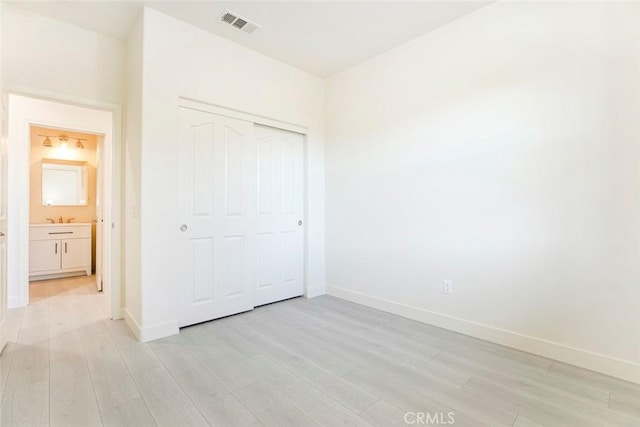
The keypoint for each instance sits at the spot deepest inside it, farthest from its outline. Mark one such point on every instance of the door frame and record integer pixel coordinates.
(26, 110)
(197, 105)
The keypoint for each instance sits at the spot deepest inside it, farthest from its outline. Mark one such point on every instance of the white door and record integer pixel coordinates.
(216, 245)
(280, 238)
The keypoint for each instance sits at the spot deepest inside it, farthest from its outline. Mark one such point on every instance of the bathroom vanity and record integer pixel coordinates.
(59, 250)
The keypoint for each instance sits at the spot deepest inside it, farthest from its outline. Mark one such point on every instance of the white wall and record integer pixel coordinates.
(501, 152)
(132, 168)
(49, 57)
(182, 61)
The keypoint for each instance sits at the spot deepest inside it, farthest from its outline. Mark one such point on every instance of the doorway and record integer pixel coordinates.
(64, 208)
(76, 124)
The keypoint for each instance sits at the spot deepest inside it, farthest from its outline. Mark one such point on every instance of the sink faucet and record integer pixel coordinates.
(60, 220)
(53, 221)
(69, 220)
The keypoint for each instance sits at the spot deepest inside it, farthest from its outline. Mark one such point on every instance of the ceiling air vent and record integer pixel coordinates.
(239, 22)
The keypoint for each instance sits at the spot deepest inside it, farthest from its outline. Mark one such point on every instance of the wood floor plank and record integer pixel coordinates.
(384, 414)
(532, 409)
(72, 400)
(467, 364)
(570, 404)
(209, 394)
(308, 399)
(25, 401)
(352, 397)
(401, 362)
(405, 398)
(139, 357)
(6, 358)
(227, 369)
(131, 413)
(523, 421)
(217, 332)
(628, 403)
(270, 408)
(377, 334)
(227, 410)
(167, 402)
(317, 352)
(452, 397)
(411, 332)
(112, 381)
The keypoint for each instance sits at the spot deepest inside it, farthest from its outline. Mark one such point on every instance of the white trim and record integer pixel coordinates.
(132, 323)
(153, 332)
(241, 115)
(45, 95)
(618, 368)
(306, 282)
(314, 292)
(159, 330)
(19, 124)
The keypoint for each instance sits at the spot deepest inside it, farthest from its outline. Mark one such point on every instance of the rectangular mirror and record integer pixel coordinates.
(64, 183)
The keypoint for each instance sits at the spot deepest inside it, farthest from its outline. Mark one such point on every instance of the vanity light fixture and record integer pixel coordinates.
(63, 141)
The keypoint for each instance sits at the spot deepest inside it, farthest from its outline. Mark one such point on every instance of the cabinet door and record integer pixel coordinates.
(76, 253)
(44, 255)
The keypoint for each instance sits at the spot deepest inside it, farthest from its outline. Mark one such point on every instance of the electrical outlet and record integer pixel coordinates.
(447, 287)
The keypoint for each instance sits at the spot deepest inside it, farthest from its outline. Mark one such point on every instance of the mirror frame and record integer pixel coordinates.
(84, 176)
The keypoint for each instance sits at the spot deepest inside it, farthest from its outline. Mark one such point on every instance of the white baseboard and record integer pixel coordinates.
(314, 292)
(117, 315)
(132, 323)
(608, 365)
(150, 333)
(14, 302)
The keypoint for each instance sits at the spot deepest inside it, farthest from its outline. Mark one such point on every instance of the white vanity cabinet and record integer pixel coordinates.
(57, 250)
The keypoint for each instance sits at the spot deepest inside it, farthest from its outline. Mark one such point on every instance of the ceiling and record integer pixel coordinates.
(321, 37)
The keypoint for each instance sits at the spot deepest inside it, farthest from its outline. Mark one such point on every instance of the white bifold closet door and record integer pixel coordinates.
(280, 239)
(240, 189)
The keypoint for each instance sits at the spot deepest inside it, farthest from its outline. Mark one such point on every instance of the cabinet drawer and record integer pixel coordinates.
(60, 232)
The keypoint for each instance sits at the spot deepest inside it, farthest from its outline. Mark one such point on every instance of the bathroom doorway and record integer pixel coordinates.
(64, 208)
(64, 173)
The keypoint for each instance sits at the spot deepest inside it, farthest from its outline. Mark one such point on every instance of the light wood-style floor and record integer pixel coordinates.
(297, 363)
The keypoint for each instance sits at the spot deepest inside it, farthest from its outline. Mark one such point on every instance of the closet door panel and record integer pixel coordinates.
(216, 239)
(280, 214)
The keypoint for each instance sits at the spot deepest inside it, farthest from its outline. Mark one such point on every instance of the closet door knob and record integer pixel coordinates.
(183, 227)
